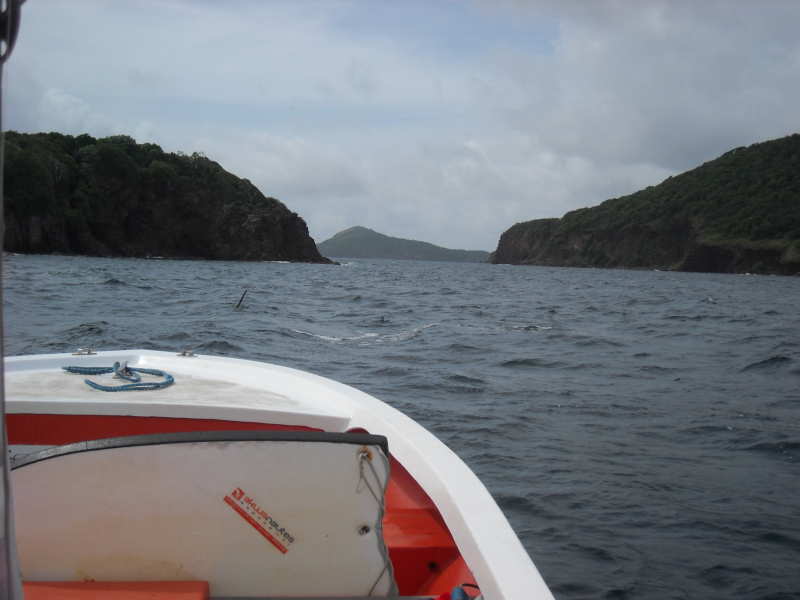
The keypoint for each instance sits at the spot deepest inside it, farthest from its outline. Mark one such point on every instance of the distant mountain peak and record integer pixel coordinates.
(362, 242)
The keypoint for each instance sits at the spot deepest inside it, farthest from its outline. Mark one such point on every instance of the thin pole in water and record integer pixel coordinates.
(242, 298)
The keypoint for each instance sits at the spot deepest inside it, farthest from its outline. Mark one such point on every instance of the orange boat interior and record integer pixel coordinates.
(424, 557)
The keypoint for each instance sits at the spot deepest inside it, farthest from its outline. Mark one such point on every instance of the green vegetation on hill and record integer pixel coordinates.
(360, 242)
(114, 197)
(737, 213)
(41, 167)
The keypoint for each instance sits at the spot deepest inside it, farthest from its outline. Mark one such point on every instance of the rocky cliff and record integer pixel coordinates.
(738, 213)
(114, 197)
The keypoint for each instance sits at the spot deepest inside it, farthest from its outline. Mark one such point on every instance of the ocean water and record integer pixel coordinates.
(640, 430)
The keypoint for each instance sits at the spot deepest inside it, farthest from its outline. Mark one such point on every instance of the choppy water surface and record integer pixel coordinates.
(641, 430)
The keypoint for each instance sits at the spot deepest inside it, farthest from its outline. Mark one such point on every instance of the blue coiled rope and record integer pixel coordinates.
(123, 371)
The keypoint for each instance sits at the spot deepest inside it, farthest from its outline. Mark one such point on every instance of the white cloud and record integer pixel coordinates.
(61, 111)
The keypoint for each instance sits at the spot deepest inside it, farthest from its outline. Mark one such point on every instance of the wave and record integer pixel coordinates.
(459, 347)
(686, 317)
(328, 338)
(789, 449)
(219, 346)
(514, 503)
(524, 328)
(407, 335)
(463, 384)
(657, 369)
(538, 363)
(466, 379)
(390, 372)
(114, 281)
(85, 330)
(720, 576)
(790, 345)
(599, 341)
(178, 336)
(774, 537)
(587, 366)
(768, 364)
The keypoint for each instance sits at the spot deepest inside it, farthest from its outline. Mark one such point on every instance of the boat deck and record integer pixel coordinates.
(442, 528)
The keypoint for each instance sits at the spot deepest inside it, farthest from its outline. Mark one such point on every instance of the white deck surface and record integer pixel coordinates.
(203, 389)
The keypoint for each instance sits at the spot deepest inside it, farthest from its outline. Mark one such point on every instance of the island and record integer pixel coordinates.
(739, 213)
(360, 242)
(114, 197)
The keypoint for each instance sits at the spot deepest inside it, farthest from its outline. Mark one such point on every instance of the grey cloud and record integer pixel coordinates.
(667, 83)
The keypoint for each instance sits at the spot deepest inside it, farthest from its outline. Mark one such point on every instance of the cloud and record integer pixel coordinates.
(666, 83)
(442, 121)
(61, 111)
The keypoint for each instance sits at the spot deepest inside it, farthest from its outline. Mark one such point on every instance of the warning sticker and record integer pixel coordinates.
(261, 521)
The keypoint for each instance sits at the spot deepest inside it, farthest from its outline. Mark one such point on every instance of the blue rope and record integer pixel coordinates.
(123, 371)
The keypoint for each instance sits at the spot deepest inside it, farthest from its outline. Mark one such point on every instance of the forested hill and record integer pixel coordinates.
(114, 197)
(360, 242)
(738, 213)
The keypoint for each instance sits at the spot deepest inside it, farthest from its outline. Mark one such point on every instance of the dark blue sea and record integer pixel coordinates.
(641, 430)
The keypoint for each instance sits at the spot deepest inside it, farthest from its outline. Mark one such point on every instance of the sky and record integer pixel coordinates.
(446, 121)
